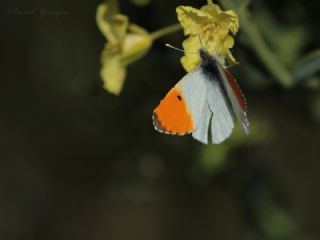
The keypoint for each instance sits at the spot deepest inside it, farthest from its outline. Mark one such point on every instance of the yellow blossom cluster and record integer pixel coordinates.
(126, 43)
(208, 27)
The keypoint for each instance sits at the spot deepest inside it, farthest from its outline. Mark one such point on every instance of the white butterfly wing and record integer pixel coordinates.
(237, 109)
(215, 112)
(201, 131)
(208, 105)
(222, 118)
(193, 86)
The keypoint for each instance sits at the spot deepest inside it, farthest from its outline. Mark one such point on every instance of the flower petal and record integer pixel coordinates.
(113, 74)
(231, 60)
(119, 24)
(112, 25)
(233, 20)
(211, 27)
(135, 45)
(191, 58)
(192, 20)
(228, 43)
(103, 25)
(228, 19)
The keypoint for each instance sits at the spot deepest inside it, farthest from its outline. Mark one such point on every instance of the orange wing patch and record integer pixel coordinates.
(236, 90)
(172, 115)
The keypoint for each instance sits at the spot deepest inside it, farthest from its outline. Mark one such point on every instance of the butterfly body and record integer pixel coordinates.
(203, 103)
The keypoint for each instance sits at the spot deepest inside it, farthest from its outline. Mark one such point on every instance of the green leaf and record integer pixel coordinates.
(286, 40)
(258, 44)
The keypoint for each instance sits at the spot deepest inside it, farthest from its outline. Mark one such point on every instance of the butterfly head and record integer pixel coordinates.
(209, 59)
(206, 59)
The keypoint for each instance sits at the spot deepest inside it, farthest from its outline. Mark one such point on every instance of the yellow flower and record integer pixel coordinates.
(208, 27)
(126, 43)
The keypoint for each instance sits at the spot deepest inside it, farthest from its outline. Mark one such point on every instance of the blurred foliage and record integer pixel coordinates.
(213, 156)
(141, 2)
(307, 66)
(286, 40)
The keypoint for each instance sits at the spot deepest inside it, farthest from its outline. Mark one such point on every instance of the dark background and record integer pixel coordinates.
(79, 163)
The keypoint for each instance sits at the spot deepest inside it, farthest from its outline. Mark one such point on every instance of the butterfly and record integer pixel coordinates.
(203, 103)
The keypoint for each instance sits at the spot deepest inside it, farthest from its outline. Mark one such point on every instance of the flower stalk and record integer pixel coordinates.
(165, 31)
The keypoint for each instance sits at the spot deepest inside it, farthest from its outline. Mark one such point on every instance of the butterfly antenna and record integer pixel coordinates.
(178, 49)
(175, 48)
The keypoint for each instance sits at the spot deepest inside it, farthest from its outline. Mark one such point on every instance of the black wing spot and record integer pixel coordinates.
(179, 97)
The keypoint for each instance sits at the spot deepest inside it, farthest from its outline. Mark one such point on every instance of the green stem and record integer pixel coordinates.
(165, 31)
(267, 56)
